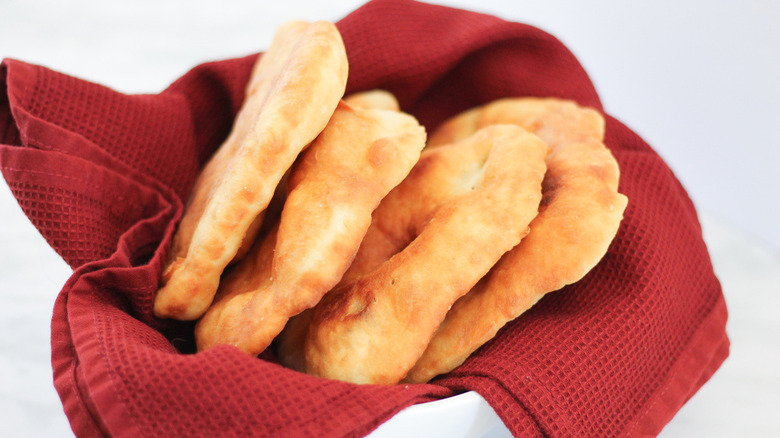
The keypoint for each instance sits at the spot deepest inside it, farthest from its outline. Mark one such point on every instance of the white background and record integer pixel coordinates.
(697, 80)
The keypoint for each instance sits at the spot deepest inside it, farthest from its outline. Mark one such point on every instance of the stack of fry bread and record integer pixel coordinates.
(336, 231)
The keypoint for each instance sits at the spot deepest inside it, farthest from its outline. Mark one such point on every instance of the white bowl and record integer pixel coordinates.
(466, 415)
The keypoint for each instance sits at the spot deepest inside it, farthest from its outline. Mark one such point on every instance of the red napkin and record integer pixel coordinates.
(102, 175)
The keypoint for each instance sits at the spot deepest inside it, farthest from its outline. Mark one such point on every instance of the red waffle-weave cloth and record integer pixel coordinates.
(102, 175)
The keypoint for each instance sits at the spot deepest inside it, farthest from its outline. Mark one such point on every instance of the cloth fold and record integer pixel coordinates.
(104, 176)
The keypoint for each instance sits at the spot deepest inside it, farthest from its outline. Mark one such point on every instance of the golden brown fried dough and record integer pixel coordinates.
(554, 120)
(334, 187)
(452, 218)
(294, 89)
(579, 215)
(379, 99)
(238, 286)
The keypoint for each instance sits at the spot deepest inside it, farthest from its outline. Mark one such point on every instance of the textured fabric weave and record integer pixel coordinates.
(104, 175)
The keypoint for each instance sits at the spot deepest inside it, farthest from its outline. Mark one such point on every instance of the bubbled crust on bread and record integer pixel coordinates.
(294, 89)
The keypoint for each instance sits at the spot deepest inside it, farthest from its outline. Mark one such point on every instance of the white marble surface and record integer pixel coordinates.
(702, 91)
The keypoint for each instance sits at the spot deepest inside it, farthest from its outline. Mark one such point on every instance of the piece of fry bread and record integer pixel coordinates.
(445, 226)
(378, 99)
(294, 89)
(334, 187)
(554, 120)
(579, 216)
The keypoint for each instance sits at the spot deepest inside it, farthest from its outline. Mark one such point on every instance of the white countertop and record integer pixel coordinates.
(144, 47)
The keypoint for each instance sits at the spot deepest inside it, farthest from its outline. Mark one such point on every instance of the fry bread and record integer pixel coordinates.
(294, 89)
(579, 215)
(443, 227)
(379, 99)
(336, 184)
(554, 120)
